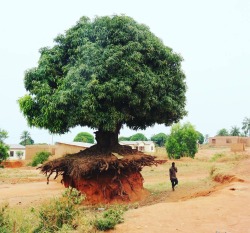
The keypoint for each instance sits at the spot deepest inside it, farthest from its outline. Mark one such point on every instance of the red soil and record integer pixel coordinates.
(12, 164)
(110, 189)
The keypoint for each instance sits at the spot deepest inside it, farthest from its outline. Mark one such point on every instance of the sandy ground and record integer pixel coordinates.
(224, 211)
(29, 190)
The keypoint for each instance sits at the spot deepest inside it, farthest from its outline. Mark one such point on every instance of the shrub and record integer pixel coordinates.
(109, 219)
(60, 213)
(40, 158)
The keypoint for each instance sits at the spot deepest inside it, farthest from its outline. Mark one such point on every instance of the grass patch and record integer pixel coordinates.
(217, 156)
(155, 188)
(60, 213)
(109, 219)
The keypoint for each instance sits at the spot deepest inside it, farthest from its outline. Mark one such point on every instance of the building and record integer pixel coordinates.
(58, 150)
(229, 140)
(16, 152)
(143, 146)
(63, 148)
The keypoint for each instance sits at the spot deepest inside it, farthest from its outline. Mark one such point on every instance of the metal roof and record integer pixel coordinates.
(16, 146)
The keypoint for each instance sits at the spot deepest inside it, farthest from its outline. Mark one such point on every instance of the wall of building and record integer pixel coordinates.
(32, 150)
(14, 154)
(64, 149)
(228, 140)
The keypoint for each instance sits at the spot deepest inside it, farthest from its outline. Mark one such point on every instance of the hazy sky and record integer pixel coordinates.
(212, 36)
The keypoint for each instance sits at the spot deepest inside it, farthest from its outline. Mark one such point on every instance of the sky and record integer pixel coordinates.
(212, 36)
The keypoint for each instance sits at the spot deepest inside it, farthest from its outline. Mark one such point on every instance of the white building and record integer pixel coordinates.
(16, 152)
(143, 146)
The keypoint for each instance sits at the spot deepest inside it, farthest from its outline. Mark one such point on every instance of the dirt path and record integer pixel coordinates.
(224, 211)
(29, 193)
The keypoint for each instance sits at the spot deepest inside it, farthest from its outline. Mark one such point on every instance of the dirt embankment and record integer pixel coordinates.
(222, 209)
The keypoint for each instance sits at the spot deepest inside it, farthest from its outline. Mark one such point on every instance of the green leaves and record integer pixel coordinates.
(182, 141)
(103, 73)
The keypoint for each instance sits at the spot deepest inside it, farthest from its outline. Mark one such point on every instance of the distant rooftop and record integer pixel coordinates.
(135, 142)
(81, 144)
(16, 146)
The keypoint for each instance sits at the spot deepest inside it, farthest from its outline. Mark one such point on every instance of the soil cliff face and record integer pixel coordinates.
(109, 188)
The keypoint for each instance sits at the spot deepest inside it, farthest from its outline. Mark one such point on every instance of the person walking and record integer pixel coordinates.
(172, 175)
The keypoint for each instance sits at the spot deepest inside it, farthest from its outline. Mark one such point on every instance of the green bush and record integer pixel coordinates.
(40, 158)
(60, 213)
(109, 219)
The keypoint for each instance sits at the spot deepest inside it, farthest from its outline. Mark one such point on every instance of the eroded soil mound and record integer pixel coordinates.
(103, 178)
(110, 188)
(223, 178)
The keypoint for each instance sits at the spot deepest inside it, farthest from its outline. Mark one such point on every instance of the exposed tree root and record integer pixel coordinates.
(102, 177)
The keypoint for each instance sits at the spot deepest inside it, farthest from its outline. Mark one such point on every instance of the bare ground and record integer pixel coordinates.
(197, 205)
(218, 208)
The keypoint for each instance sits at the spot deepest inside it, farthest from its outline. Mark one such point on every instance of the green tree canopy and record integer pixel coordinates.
(138, 137)
(201, 138)
(3, 147)
(26, 138)
(105, 73)
(246, 126)
(159, 139)
(182, 141)
(122, 138)
(3, 135)
(84, 137)
(222, 132)
(235, 131)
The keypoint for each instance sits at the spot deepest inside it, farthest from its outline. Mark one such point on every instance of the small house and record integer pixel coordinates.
(143, 146)
(227, 141)
(63, 148)
(16, 152)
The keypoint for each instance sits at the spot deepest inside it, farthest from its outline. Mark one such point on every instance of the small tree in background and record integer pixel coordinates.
(26, 138)
(3, 147)
(201, 138)
(122, 138)
(223, 132)
(84, 137)
(138, 137)
(159, 139)
(235, 131)
(182, 141)
(246, 126)
(19, 154)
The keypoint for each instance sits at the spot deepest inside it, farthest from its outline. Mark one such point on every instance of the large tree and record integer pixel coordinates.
(105, 73)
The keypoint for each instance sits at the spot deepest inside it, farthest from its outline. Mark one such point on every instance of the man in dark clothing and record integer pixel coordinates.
(172, 175)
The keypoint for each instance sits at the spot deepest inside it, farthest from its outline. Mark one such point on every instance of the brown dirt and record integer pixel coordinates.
(109, 189)
(203, 206)
(221, 208)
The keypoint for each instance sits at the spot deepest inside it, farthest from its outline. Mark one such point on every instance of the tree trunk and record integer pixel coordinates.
(107, 142)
